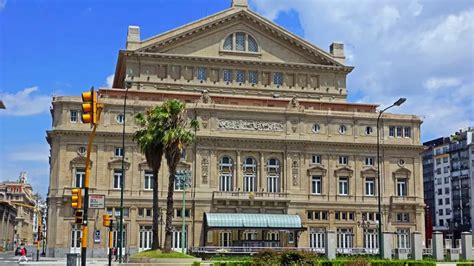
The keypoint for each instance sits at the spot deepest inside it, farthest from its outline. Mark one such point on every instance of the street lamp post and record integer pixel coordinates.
(120, 236)
(379, 188)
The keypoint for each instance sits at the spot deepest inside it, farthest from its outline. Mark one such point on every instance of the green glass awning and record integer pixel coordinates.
(253, 220)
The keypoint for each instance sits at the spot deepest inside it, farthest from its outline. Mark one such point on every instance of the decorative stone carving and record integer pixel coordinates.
(250, 125)
(294, 103)
(205, 98)
(294, 172)
(204, 170)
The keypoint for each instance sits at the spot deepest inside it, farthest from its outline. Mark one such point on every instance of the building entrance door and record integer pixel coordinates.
(176, 240)
(145, 238)
(76, 235)
(371, 241)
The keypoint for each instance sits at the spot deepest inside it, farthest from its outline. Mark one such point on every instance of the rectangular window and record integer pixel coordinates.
(110, 211)
(369, 161)
(228, 75)
(343, 186)
(399, 132)
(401, 187)
(201, 73)
(407, 132)
(316, 185)
(253, 77)
(240, 76)
(141, 212)
(278, 78)
(80, 175)
(440, 201)
(446, 179)
(447, 201)
(117, 179)
(148, 182)
(440, 191)
(391, 131)
(240, 41)
(403, 217)
(343, 160)
(370, 186)
(179, 212)
(118, 152)
(73, 116)
(315, 159)
(446, 190)
(441, 212)
(403, 236)
(445, 159)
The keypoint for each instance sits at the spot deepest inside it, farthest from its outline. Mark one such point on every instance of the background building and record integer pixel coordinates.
(278, 142)
(28, 209)
(447, 167)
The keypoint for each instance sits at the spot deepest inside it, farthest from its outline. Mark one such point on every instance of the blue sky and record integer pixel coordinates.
(422, 50)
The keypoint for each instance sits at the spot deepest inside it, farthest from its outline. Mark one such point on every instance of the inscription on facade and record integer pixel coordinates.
(250, 125)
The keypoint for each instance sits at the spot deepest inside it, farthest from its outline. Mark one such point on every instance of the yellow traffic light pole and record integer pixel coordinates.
(91, 114)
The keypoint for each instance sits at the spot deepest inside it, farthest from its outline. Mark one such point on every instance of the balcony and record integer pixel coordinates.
(252, 196)
(403, 200)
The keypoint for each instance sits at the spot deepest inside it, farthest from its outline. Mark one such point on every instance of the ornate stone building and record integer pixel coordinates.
(280, 156)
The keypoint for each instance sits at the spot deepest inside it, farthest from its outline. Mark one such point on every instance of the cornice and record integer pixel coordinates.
(214, 140)
(227, 61)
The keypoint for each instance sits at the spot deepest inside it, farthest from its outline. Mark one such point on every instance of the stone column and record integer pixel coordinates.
(416, 246)
(238, 169)
(263, 182)
(466, 246)
(437, 246)
(330, 247)
(387, 245)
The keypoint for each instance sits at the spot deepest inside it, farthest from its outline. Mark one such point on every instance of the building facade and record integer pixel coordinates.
(447, 167)
(19, 194)
(280, 155)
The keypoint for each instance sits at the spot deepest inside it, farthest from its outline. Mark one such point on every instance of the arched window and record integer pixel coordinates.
(273, 175)
(241, 42)
(250, 174)
(225, 173)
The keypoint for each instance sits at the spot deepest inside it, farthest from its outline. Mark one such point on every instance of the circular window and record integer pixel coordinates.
(316, 128)
(81, 150)
(342, 129)
(120, 118)
(369, 130)
(401, 162)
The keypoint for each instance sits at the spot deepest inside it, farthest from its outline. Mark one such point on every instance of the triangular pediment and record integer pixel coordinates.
(369, 171)
(205, 38)
(343, 170)
(317, 169)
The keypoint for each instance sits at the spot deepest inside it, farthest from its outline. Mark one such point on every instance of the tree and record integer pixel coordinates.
(179, 132)
(150, 140)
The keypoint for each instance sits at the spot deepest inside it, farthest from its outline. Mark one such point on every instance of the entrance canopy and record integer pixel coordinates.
(253, 221)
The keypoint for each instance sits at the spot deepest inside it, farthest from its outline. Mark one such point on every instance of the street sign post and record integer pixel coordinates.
(96, 201)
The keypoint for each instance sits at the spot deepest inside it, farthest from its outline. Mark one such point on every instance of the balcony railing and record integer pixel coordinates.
(249, 195)
(252, 250)
(403, 199)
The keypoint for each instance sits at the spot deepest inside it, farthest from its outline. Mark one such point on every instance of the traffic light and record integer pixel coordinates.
(76, 198)
(89, 107)
(106, 220)
(79, 215)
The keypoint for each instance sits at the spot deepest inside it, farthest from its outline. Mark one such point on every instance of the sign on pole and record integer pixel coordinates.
(96, 201)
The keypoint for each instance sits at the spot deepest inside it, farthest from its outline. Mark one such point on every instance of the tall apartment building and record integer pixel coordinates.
(280, 151)
(447, 167)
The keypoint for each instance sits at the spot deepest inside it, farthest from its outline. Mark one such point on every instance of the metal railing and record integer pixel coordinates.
(252, 250)
(248, 195)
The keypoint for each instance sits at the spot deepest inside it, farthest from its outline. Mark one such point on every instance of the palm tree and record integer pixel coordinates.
(150, 140)
(178, 134)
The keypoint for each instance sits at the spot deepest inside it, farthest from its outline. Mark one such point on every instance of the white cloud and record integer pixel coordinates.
(439, 83)
(31, 153)
(3, 4)
(110, 80)
(400, 48)
(453, 35)
(25, 102)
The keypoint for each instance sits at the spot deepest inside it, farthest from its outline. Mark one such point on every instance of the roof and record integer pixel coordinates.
(253, 220)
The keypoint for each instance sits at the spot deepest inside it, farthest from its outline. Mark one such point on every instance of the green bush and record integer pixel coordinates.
(387, 263)
(421, 263)
(196, 263)
(267, 257)
(357, 262)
